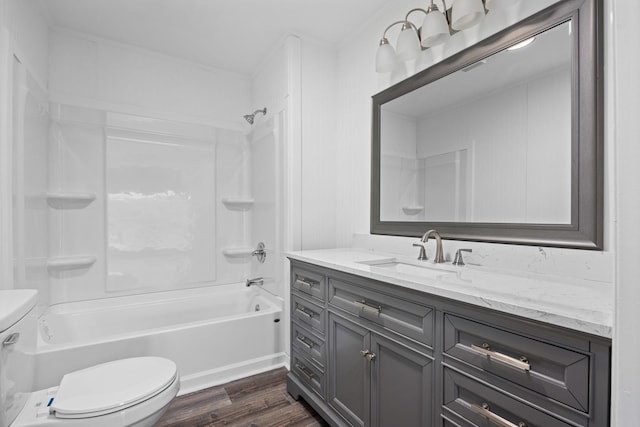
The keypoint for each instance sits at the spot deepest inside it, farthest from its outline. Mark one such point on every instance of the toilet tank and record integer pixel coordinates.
(18, 328)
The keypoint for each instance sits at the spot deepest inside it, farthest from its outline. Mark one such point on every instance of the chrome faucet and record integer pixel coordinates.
(260, 253)
(457, 260)
(439, 257)
(422, 256)
(256, 281)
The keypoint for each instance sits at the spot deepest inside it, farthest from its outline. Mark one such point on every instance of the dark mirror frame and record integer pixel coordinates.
(587, 134)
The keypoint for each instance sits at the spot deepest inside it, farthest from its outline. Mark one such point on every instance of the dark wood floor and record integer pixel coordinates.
(258, 401)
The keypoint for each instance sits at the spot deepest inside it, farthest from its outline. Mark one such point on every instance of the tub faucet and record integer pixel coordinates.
(438, 258)
(256, 281)
(260, 253)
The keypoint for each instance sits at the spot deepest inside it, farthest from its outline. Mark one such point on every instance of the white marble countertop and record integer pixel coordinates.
(582, 305)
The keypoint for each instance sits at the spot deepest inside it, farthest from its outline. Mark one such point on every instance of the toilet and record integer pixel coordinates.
(132, 392)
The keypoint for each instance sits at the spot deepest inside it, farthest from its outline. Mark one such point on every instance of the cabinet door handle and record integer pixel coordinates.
(11, 339)
(497, 419)
(304, 312)
(305, 371)
(365, 307)
(368, 355)
(523, 363)
(306, 284)
(302, 340)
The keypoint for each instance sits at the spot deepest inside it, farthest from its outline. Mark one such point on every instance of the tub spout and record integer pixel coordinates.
(256, 281)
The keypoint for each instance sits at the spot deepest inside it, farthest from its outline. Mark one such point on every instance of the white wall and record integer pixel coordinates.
(30, 33)
(23, 81)
(623, 128)
(319, 145)
(97, 73)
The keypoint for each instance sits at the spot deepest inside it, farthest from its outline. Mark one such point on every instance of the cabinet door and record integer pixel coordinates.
(348, 370)
(401, 385)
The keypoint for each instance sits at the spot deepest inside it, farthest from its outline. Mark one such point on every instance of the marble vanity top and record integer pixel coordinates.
(582, 305)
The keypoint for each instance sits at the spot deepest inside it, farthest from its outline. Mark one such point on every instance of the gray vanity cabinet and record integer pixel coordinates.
(401, 384)
(369, 353)
(349, 378)
(376, 381)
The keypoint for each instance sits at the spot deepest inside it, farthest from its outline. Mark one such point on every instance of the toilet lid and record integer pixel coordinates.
(112, 386)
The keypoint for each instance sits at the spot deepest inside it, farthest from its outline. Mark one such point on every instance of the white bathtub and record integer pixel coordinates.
(214, 334)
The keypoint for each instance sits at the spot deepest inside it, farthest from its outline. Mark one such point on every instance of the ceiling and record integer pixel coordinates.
(235, 35)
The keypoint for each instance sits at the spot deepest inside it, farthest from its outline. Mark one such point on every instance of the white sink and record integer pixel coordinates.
(413, 268)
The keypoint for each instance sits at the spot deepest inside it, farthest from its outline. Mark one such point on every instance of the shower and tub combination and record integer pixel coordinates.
(139, 235)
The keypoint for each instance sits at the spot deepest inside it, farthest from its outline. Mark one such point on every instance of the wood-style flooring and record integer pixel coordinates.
(258, 401)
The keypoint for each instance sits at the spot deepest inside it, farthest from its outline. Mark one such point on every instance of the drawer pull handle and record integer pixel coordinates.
(305, 371)
(302, 340)
(305, 284)
(365, 307)
(11, 339)
(497, 419)
(304, 312)
(523, 363)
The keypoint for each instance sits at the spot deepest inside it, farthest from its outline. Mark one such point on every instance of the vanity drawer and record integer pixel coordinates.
(404, 317)
(309, 282)
(308, 374)
(559, 373)
(479, 405)
(308, 314)
(309, 344)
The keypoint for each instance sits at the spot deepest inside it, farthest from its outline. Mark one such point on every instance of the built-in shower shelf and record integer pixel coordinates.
(70, 200)
(412, 210)
(237, 252)
(238, 203)
(71, 262)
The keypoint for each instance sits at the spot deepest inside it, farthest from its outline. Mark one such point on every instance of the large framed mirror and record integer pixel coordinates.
(499, 143)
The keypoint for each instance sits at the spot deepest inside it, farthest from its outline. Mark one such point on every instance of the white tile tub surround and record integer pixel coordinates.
(582, 305)
(214, 334)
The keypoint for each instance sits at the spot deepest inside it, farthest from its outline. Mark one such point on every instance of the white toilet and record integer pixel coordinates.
(127, 392)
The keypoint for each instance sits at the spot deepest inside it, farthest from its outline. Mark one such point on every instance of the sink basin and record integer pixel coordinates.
(417, 268)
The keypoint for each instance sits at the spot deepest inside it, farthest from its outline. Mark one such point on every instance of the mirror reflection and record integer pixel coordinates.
(490, 143)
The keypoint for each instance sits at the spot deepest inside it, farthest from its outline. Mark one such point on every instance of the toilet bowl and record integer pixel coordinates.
(132, 392)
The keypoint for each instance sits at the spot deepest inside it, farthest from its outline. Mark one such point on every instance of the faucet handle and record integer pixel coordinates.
(422, 256)
(457, 260)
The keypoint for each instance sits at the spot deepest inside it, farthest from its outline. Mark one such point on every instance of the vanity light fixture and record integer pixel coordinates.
(436, 29)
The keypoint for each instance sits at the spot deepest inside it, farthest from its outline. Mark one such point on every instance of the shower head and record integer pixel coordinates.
(251, 117)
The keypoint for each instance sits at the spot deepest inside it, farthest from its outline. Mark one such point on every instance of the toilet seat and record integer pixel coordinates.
(112, 387)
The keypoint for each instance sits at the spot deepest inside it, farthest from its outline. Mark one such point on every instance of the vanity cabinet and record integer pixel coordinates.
(375, 380)
(370, 353)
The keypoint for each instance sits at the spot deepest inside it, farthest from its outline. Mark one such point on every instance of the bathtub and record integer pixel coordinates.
(214, 334)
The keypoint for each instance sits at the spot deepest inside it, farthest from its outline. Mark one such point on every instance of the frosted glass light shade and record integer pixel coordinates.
(466, 13)
(408, 46)
(385, 58)
(435, 29)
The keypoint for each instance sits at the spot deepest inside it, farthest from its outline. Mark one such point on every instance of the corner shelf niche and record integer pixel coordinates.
(238, 203)
(69, 200)
(71, 262)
